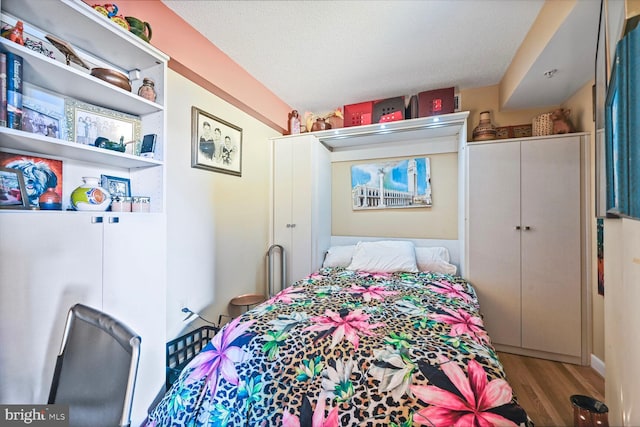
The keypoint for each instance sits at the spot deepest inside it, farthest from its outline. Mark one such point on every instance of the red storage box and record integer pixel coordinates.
(358, 114)
(388, 110)
(435, 102)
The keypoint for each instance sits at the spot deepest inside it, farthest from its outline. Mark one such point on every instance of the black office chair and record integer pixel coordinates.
(96, 369)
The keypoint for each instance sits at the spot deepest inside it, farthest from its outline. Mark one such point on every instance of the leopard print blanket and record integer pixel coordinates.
(349, 348)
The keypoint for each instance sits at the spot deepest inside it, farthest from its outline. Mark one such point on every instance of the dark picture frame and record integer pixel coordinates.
(13, 193)
(602, 74)
(116, 186)
(216, 145)
(67, 50)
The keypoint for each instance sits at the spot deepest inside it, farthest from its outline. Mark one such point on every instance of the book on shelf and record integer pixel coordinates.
(14, 90)
(3, 89)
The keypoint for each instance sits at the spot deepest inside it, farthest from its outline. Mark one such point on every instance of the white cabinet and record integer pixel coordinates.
(47, 264)
(101, 260)
(52, 260)
(301, 203)
(526, 227)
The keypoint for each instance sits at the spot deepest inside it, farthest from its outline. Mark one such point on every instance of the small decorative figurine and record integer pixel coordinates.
(15, 34)
(110, 10)
(294, 122)
(561, 122)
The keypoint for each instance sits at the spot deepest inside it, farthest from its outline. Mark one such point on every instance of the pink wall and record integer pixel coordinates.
(193, 56)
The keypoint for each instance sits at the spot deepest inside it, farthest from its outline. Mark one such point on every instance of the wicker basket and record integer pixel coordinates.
(542, 125)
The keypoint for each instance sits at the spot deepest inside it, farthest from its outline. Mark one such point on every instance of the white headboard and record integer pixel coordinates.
(452, 245)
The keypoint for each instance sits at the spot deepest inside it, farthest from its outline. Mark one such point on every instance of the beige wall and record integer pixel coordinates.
(622, 320)
(217, 224)
(582, 116)
(488, 99)
(437, 222)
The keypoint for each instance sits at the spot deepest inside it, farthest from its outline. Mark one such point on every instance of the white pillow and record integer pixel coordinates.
(385, 256)
(434, 259)
(339, 256)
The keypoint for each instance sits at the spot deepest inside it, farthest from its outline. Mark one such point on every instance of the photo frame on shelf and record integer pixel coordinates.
(86, 122)
(13, 193)
(116, 185)
(67, 50)
(39, 123)
(216, 144)
(43, 111)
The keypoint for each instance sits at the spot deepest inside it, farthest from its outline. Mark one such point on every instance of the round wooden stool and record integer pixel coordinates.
(247, 300)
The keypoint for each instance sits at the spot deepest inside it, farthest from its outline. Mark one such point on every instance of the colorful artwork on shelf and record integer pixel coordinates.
(40, 174)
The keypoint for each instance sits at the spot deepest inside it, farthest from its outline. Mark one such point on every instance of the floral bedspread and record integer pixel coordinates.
(345, 348)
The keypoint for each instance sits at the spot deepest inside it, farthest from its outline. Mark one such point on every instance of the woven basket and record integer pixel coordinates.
(542, 125)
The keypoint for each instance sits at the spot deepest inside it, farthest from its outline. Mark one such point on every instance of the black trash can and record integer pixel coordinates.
(589, 412)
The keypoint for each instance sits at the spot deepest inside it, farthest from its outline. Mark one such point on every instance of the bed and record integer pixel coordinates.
(384, 334)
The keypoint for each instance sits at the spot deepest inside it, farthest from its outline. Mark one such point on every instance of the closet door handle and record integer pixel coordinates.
(527, 228)
(96, 220)
(517, 227)
(114, 220)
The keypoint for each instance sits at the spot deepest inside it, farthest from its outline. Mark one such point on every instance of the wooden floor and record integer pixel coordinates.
(543, 387)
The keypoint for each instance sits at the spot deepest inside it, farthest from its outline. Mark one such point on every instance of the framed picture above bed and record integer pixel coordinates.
(392, 184)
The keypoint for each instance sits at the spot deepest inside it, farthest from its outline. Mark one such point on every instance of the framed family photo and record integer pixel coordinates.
(86, 122)
(43, 111)
(13, 193)
(116, 185)
(216, 145)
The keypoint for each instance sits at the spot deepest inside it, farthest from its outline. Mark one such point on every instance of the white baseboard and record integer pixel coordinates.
(598, 365)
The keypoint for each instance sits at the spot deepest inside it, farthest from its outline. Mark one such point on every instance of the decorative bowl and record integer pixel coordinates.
(114, 77)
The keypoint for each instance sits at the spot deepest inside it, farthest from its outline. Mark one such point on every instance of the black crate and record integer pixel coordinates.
(181, 350)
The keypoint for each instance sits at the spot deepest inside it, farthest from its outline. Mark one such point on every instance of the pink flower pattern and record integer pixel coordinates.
(346, 325)
(463, 323)
(451, 290)
(472, 407)
(290, 420)
(287, 296)
(369, 293)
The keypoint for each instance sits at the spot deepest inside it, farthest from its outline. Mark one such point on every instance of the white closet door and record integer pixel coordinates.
(282, 198)
(300, 258)
(494, 238)
(551, 270)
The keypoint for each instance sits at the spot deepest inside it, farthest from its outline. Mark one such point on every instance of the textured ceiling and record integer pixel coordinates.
(318, 55)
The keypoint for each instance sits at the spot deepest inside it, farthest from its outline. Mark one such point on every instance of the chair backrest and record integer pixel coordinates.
(96, 369)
